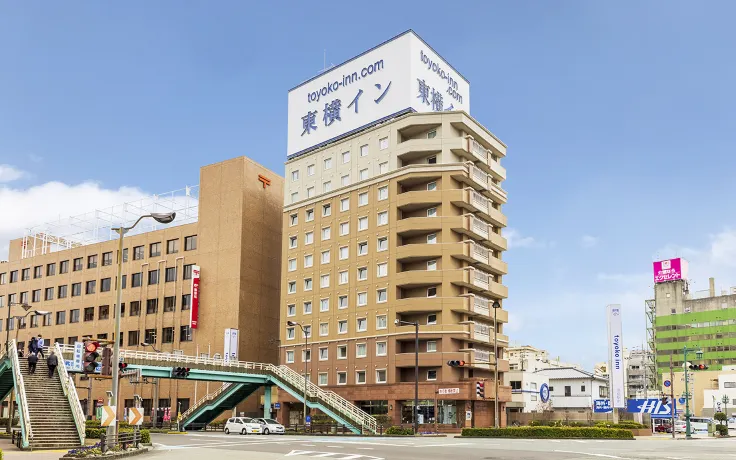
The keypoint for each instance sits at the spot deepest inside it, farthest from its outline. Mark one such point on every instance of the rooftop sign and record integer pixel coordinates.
(401, 75)
(670, 270)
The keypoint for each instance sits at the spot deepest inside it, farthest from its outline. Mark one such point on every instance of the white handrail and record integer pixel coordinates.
(206, 398)
(70, 390)
(20, 390)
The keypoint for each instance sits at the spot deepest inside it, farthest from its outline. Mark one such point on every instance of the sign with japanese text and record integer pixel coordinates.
(403, 74)
(231, 345)
(602, 406)
(194, 311)
(670, 270)
(448, 391)
(616, 356)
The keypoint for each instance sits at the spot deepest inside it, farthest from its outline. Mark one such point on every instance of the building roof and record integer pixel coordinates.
(568, 373)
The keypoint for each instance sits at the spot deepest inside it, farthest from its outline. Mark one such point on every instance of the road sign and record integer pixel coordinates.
(652, 406)
(108, 416)
(667, 383)
(309, 419)
(681, 400)
(277, 405)
(135, 416)
(602, 406)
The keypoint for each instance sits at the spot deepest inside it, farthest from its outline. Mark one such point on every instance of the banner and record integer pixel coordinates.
(231, 345)
(194, 310)
(602, 406)
(615, 356)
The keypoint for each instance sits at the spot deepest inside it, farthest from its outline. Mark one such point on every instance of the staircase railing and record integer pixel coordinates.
(20, 392)
(70, 390)
(206, 398)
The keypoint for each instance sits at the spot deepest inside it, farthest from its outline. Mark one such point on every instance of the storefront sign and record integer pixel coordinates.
(448, 391)
(670, 270)
(602, 406)
(194, 311)
(616, 356)
(468, 415)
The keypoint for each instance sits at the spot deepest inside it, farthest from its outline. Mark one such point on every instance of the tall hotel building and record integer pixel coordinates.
(397, 219)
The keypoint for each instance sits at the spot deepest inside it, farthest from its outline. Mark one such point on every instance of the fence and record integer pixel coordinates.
(122, 440)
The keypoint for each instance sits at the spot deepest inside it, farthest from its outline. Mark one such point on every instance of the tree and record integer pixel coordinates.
(720, 417)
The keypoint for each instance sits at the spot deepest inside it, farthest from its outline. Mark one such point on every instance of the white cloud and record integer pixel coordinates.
(516, 240)
(25, 208)
(588, 241)
(9, 173)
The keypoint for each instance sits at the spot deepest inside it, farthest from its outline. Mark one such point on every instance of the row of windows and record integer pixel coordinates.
(344, 229)
(361, 351)
(361, 324)
(172, 247)
(150, 337)
(341, 377)
(90, 287)
(678, 327)
(103, 312)
(724, 335)
(343, 254)
(344, 156)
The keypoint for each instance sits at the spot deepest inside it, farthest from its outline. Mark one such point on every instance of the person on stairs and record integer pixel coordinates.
(39, 345)
(52, 361)
(33, 346)
(32, 360)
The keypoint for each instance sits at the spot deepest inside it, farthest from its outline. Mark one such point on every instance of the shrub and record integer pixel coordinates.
(399, 431)
(720, 417)
(382, 420)
(549, 432)
(96, 433)
(722, 430)
(626, 425)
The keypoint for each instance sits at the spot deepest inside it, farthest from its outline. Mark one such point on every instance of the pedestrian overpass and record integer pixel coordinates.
(241, 379)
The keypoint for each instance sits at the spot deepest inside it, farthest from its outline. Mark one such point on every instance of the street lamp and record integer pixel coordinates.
(306, 365)
(146, 344)
(496, 305)
(399, 322)
(26, 307)
(698, 355)
(162, 218)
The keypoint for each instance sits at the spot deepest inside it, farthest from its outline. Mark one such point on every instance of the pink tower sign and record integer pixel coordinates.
(670, 270)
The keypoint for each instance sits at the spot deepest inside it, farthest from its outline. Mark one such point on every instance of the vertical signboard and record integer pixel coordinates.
(230, 350)
(194, 310)
(670, 270)
(615, 356)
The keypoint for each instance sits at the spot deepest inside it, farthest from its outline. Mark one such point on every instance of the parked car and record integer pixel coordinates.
(697, 424)
(663, 428)
(242, 425)
(270, 426)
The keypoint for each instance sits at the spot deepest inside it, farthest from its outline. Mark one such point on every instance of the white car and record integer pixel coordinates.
(269, 426)
(242, 425)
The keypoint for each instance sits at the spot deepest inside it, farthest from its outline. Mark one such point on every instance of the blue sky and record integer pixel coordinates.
(619, 119)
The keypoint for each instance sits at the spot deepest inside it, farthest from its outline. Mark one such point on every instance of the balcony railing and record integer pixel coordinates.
(482, 332)
(479, 226)
(479, 176)
(479, 200)
(481, 279)
(479, 253)
(478, 150)
(481, 305)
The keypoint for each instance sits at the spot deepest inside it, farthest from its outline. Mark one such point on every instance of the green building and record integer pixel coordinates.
(701, 320)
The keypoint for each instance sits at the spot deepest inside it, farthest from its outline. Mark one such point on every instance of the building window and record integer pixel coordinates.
(34, 321)
(382, 244)
(190, 243)
(381, 348)
(106, 259)
(290, 333)
(432, 374)
(322, 376)
(133, 338)
(149, 336)
(342, 302)
(76, 289)
(90, 287)
(363, 248)
(308, 284)
(432, 212)
(383, 143)
(25, 274)
(308, 260)
(60, 317)
(294, 197)
(48, 295)
(24, 297)
(295, 175)
(362, 273)
(290, 356)
(293, 219)
(186, 301)
(342, 277)
(362, 324)
(89, 314)
(167, 335)
(324, 305)
(307, 332)
(125, 255)
(3, 278)
(362, 299)
(172, 247)
(568, 390)
(326, 233)
(381, 295)
(431, 186)
(345, 157)
(104, 312)
(342, 352)
(328, 163)
(432, 238)
(291, 289)
(169, 304)
(185, 334)
(362, 223)
(37, 271)
(50, 271)
(77, 264)
(136, 280)
(307, 308)
(306, 356)
(431, 319)
(135, 308)
(324, 330)
(380, 375)
(383, 193)
(138, 253)
(326, 187)
(105, 284)
(170, 274)
(309, 238)
(382, 218)
(342, 378)
(345, 180)
(291, 310)
(432, 160)
(364, 150)
(363, 174)
(383, 167)
(344, 228)
(324, 281)
(326, 210)
(151, 306)
(36, 295)
(310, 170)
(431, 346)
(292, 242)
(292, 265)
(359, 377)
(14, 276)
(363, 199)
(381, 322)
(432, 134)
(381, 270)
(187, 271)
(92, 261)
(361, 350)
(431, 265)
(62, 292)
(582, 388)
(309, 215)
(342, 327)
(152, 277)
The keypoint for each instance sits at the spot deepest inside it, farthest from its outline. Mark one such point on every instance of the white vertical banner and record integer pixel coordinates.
(233, 344)
(228, 342)
(615, 356)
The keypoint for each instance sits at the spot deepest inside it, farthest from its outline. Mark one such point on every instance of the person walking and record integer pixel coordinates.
(39, 344)
(33, 345)
(52, 361)
(32, 360)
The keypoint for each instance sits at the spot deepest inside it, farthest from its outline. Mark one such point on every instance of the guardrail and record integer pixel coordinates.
(20, 390)
(70, 390)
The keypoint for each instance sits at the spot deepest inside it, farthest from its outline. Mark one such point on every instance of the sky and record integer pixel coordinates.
(619, 119)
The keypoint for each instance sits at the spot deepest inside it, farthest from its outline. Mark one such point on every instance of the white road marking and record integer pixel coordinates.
(365, 448)
(451, 444)
(335, 447)
(316, 454)
(241, 443)
(592, 455)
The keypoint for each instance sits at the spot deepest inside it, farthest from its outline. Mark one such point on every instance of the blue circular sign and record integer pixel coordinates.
(544, 392)
(667, 383)
(681, 400)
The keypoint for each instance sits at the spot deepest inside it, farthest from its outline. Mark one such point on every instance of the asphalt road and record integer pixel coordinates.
(219, 446)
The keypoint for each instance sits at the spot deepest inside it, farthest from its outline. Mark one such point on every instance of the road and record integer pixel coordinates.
(219, 446)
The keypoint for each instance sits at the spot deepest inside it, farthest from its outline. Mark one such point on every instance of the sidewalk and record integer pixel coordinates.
(10, 452)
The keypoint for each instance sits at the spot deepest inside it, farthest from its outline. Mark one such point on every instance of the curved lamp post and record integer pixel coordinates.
(306, 365)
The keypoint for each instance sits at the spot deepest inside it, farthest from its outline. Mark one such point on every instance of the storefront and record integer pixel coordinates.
(447, 412)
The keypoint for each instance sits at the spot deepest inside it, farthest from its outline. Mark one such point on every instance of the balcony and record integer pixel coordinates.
(418, 252)
(430, 304)
(420, 225)
(472, 227)
(480, 256)
(418, 148)
(475, 177)
(410, 201)
(497, 171)
(481, 332)
(419, 278)
(475, 202)
(425, 359)
(496, 241)
(496, 193)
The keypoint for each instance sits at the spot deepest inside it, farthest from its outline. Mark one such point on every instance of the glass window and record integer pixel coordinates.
(342, 352)
(342, 301)
(362, 273)
(292, 287)
(307, 333)
(104, 312)
(48, 295)
(382, 269)
(295, 175)
(362, 248)
(381, 348)
(50, 270)
(431, 346)
(152, 277)
(432, 238)
(431, 265)
(381, 376)
(155, 250)
(307, 308)
(310, 170)
(294, 197)
(345, 180)
(343, 277)
(309, 215)
(125, 255)
(106, 259)
(326, 210)
(77, 264)
(62, 292)
(345, 157)
(363, 199)
(172, 247)
(432, 212)
(326, 233)
(432, 160)
(364, 150)
(324, 305)
(151, 306)
(359, 377)
(185, 334)
(308, 260)
(361, 350)
(25, 274)
(382, 243)
(135, 308)
(324, 329)
(326, 187)
(432, 318)
(290, 356)
(342, 378)
(344, 252)
(322, 378)
(167, 335)
(308, 284)
(3, 278)
(292, 242)
(309, 238)
(383, 193)
(344, 228)
(136, 280)
(383, 218)
(344, 204)
(37, 271)
(432, 186)
(381, 295)
(291, 310)
(170, 274)
(292, 265)
(328, 163)
(383, 167)
(293, 219)
(60, 317)
(363, 174)
(90, 287)
(36, 295)
(432, 134)
(134, 338)
(324, 281)
(383, 143)
(342, 327)
(105, 284)
(169, 304)
(362, 223)
(138, 253)
(362, 298)
(190, 243)
(362, 324)
(186, 301)
(381, 322)
(76, 289)
(432, 292)
(89, 314)
(432, 374)
(24, 297)
(290, 333)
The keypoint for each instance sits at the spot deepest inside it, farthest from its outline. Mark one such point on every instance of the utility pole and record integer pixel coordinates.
(672, 395)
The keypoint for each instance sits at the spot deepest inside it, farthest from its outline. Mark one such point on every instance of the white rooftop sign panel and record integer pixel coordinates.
(403, 74)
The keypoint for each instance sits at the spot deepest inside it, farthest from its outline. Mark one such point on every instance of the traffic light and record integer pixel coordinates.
(456, 363)
(665, 400)
(89, 360)
(106, 361)
(181, 372)
(698, 367)
(480, 390)
(122, 366)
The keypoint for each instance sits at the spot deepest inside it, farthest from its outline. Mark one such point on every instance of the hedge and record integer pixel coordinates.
(398, 431)
(549, 432)
(96, 433)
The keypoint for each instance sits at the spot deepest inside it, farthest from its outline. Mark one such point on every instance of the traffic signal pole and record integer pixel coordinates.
(672, 396)
(688, 435)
